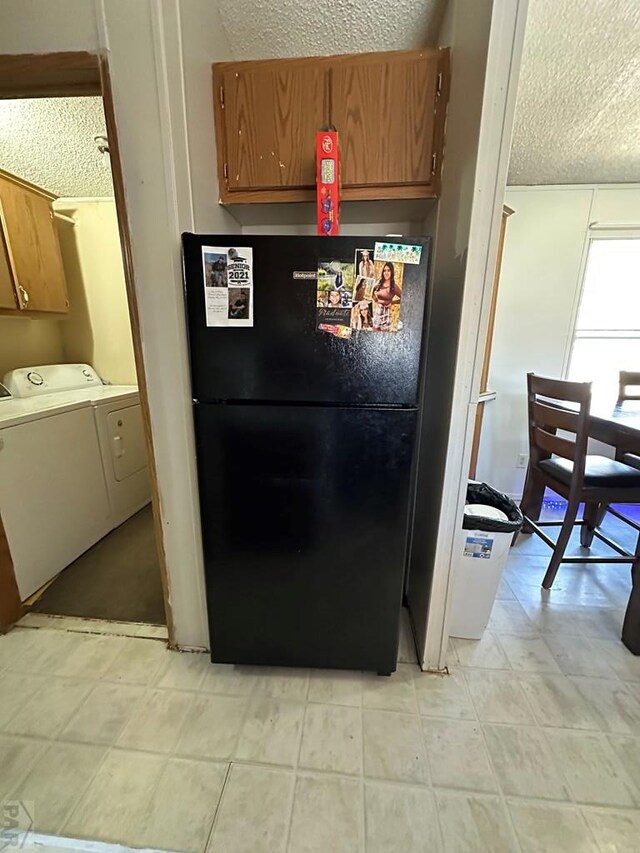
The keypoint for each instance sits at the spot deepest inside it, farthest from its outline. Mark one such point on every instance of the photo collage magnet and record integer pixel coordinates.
(364, 295)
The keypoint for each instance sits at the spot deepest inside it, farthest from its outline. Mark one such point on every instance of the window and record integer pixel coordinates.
(607, 332)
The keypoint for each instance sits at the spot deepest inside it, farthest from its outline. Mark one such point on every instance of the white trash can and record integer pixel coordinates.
(481, 555)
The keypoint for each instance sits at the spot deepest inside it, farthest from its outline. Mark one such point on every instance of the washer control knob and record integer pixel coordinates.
(34, 377)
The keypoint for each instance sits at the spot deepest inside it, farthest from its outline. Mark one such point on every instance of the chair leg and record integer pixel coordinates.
(631, 624)
(592, 518)
(561, 544)
(531, 503)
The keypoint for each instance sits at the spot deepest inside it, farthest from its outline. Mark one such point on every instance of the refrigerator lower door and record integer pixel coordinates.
(304, 519)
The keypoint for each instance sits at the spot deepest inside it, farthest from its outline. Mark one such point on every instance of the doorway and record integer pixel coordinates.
(121, 576)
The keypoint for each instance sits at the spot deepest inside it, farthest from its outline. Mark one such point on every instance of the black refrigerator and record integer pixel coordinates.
(305, 360)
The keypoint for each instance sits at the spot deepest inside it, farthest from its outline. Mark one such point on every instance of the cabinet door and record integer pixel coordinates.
(8, 298)
(383, 109)
(271, 113)
(35, 250)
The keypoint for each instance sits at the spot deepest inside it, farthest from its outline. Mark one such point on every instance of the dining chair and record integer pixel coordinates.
(562, 463)
(628, 379)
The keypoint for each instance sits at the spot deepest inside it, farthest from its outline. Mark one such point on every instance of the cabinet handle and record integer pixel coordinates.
(25, 295)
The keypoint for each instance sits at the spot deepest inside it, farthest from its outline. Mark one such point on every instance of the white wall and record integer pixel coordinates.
(97, 329)
(160, 52)
(537, 298)
(25, 342)
(487, 42)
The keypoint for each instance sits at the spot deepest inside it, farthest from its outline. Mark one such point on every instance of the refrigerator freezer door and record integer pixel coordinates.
(304, 519)
(283, 357)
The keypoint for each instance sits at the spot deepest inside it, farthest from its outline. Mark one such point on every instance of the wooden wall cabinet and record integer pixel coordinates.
(389, 109)
(32, 278)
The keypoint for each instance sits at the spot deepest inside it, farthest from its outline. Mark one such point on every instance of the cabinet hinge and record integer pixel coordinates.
(439, 84)
(434, 160)
(222, 96)
(50, 214)
(225, 171)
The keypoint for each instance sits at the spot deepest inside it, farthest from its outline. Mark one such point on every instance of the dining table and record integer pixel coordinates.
(618, 425)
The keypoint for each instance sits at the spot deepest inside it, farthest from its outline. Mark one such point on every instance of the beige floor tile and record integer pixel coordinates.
(15, 691)
(14, 645)
(553, 618)
(37, 620)
(183, 670)
(498, 697)
(333, 687)
(254, 812)
(406, 647)
(457, 755)
(634, 688)
(474, 823)
(628, 751)
(271, 731)
(400, 818)
(56, 782)
(451, 656)
(485, 653)
(181, 812)
(153, 632)
(103, 714)
(614, 708)
(49, 709)
(510, 616)
(327, 815)
(524, 763)
(90, 658)
(624, 664)
(578, 656)
(391, 693)
(156, 721)
(601, 623)
(44, 651)
(393, 747)
(615, 831)
(528, 654)
(17, 756)
(280, 682)
(556, 702)
(546, 828)
(138, 662)
(590, 767)
(332, 739)
(212, 727)
(443, 695)
(505, 593)
(119, 794)
(228, 680)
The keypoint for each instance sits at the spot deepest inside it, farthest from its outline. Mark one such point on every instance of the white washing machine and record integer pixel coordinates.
(73, 465)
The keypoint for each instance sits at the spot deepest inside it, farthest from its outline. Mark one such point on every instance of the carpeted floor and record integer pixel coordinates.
(119, 578)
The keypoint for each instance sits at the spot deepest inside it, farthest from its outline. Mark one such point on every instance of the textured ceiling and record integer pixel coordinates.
(578, 110)
(49, 141)
(265, 29)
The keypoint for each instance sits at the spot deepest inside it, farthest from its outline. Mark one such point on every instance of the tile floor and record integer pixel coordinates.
(532, 743)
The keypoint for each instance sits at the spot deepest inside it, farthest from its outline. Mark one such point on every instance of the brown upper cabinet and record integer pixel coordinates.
(31, 273)
(389, 110)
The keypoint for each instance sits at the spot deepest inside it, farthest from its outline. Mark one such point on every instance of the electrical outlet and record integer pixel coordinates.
(523, 460)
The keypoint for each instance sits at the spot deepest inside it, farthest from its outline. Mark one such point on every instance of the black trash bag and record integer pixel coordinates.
(481, 493)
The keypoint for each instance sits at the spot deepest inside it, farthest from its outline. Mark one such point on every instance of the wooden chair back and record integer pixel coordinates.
(556, 404)
(628, 379)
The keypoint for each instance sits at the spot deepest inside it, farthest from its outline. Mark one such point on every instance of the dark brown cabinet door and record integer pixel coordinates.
(271, 111)
(33, 242)
(8, 296)
(383, 109)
